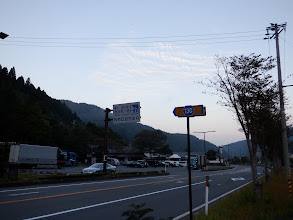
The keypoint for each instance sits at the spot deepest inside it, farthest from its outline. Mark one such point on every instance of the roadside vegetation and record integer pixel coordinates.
(275, 203)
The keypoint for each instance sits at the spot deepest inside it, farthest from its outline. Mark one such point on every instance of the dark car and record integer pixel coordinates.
(162, 164)
(136, 164)
(152, 163)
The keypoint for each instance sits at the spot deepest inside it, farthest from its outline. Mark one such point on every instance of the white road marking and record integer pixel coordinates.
(245, 170)
(20, 194)
(80, 184)
(110, 202)
(237, 179)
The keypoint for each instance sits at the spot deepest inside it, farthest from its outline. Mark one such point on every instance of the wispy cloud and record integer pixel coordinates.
(149, 71)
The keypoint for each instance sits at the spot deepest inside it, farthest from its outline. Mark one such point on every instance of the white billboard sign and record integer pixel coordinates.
(128, 112)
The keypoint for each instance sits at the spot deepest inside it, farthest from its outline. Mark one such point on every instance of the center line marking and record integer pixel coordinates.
(110, 202)
(105, 189)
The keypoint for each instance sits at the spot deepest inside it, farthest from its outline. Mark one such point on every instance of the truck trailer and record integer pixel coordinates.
(34, 155)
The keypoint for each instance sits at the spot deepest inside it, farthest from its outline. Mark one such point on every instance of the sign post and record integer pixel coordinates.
(189, 111)
(107, 119)
(128, 112)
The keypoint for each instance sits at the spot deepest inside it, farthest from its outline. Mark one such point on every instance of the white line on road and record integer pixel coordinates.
(110, 202)
(80, 184)
(20, 194)
(237, 179)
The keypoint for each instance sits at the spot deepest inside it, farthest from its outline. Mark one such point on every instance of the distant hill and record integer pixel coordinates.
(237, 149)
(28, 115)
(240, 148)
(95, 114)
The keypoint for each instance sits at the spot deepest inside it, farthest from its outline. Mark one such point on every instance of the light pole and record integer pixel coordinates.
(3, 35)
(204, 144)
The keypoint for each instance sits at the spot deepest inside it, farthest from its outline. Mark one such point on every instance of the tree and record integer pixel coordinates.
(269, 137)
(165, 150)
(211, 154)
(242, 83)
(149, 141)
(266, 120)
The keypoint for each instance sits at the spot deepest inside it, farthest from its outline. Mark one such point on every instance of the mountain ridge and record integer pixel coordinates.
(95, 114)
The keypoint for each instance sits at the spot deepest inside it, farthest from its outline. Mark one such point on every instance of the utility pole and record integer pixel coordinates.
(107, 119)
(277, 29)
(204, 144)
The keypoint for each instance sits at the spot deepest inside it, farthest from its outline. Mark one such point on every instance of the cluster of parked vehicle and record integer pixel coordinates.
(153, 163)
(169, 164)
(113, 162)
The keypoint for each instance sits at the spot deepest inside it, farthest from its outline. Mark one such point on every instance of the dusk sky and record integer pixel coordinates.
(148, 51)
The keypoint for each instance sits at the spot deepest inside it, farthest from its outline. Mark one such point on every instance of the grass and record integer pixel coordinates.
(276, 203)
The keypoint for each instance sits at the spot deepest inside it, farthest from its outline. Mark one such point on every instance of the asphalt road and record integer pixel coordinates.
(166, 195)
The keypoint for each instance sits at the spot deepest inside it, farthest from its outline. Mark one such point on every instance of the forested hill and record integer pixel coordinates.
(28, 115)
(94, 114)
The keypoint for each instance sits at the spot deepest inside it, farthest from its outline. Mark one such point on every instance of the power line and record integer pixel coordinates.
(133, 38)
(286, 41)
(126, 46)
(132, 42)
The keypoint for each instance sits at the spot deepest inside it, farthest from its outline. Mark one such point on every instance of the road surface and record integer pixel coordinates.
(166, 195)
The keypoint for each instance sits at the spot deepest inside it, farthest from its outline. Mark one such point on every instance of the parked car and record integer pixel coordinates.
(152, 162)
(143, 162)
(136, 164)
(162, 164)
(98, 168)
(171, 163)
(113, 161)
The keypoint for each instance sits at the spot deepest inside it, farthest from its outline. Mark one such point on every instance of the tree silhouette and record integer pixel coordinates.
(243, 83)
(149, 141)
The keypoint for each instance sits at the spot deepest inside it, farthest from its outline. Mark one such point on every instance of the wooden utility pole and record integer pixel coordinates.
(277, 29)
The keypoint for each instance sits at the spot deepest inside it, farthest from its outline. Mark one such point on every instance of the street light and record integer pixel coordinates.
(3, 35)
(204, 143)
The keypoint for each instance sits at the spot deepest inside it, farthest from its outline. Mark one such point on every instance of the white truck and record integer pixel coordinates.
(34, 155)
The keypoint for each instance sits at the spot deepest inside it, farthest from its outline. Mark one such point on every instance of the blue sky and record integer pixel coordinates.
(151, 51)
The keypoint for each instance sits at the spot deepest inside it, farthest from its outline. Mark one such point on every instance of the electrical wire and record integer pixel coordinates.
(286, 42)
(135, 38)
(131, 42)
(126, 46)
(284, 66)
